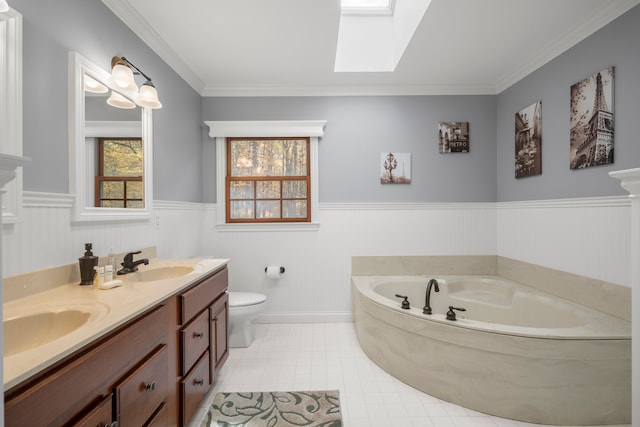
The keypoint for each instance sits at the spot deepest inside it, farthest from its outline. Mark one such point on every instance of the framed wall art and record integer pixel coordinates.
(395, 168)
(528, 139)
(591, 116)
(453, 137)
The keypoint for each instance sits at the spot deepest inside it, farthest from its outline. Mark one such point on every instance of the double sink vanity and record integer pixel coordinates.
(141, 354)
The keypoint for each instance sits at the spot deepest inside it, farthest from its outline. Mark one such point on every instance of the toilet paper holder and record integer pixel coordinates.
(281, 269)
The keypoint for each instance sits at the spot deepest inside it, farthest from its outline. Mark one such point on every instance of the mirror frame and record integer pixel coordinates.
(11, 110)
(83, 209)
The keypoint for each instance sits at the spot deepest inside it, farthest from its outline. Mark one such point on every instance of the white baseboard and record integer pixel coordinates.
(318, 317)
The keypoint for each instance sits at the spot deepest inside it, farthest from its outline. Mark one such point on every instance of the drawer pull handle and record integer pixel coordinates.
(198, 335)
(199, 381)
(215, 319)
(150, 386)
(113, 424)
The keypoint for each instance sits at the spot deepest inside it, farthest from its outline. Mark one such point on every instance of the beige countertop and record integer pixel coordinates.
(110, 308)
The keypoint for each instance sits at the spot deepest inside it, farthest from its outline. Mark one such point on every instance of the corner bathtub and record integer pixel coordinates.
(515, 353)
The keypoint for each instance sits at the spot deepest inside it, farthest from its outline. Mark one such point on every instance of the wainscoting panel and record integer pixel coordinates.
(46, 237)
(590, 237)
(316, 283)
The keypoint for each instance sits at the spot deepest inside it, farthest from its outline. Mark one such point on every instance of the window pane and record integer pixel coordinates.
(294, 208)
(242, 209)
(268, 208)
(112, 190)
(135, 190)
(256, 158)
(135, 204)
(294, 189)
(112, 203)
(122, 157)
(268, 190)
(241, 189)
(295, 157)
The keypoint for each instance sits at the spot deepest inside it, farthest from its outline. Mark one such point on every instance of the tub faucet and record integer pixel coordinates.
(427, 302)
(131, 266)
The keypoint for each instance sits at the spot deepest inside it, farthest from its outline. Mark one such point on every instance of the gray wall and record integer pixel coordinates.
(51, 30)
(359, 129)
(615, 44)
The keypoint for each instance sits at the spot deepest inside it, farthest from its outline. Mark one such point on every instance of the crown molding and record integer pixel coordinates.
(352, 90)
(608, 13)
(132, 19)
(125, 12)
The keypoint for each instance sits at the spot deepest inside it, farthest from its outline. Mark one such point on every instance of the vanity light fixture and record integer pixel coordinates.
(119, 101)
(4, 6)
(94, 86)
(122, 78)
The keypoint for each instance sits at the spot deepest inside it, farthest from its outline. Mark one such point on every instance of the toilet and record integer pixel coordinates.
(243, 308)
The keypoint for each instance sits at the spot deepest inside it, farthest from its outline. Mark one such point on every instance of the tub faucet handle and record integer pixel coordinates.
(451, 315)
(405, 303)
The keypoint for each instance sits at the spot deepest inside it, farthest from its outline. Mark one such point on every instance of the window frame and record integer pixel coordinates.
(255, 179)
(220, 130)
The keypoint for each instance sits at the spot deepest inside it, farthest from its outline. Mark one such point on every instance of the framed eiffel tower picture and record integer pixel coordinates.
(592, 120)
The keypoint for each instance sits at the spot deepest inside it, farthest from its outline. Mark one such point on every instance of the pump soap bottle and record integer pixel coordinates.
(87, 262)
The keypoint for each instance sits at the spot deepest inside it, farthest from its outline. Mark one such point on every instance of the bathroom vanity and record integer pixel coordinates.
(148, 359)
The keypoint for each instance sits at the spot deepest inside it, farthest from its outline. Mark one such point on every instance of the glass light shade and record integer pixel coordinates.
(4, 6)
(122, 78)
(148, 97)
(94, 86)
(119, 101)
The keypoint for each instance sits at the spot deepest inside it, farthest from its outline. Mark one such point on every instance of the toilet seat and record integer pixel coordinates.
(245, 299)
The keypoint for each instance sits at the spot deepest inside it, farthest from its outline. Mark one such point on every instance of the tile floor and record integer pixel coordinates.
(291, 357)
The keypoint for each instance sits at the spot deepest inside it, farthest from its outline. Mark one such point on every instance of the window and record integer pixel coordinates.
(119, 182)
(268, 180)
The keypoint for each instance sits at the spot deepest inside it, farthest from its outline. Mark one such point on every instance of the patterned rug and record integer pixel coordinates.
(275, 409)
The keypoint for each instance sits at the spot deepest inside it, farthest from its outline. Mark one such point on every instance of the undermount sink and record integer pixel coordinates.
(155, 274)
(22, 333)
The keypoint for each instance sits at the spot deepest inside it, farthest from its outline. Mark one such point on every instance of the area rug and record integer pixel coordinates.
(275, 409)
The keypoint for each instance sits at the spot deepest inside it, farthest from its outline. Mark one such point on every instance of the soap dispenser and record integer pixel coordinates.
(87, 262)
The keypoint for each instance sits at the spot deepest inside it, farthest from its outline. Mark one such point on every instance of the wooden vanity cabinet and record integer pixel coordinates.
(79, 389)
(198, 337)
(152, 371)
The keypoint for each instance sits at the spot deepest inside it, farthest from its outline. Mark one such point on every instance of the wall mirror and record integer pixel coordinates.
(110, 148)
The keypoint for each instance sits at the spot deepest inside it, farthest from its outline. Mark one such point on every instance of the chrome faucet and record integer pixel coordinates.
(427, 306)
(131, 266)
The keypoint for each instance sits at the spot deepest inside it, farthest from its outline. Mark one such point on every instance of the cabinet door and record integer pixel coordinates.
(141, 393)
(219, 314)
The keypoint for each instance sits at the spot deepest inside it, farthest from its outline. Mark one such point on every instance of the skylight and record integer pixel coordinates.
(373, 34)
(367, 7)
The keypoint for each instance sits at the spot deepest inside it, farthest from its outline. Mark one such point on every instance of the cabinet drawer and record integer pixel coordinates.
(141, 393)
(194, 339)
(100, 416)
(194, 388)
(202, 295)
(160, 418)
